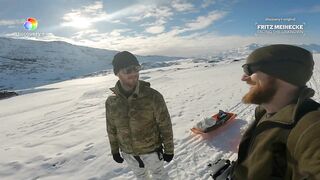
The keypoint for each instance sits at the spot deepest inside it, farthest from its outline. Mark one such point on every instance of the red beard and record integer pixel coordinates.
(261, 94)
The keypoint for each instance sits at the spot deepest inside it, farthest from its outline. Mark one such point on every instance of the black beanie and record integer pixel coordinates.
(122, 60)
(289, 63)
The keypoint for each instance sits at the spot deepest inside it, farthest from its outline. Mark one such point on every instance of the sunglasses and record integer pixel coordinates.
(131, 69)
(249, 69)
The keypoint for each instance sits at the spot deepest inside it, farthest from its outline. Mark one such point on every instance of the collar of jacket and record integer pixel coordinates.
(305, 93)
(282, 115)
(138, 92)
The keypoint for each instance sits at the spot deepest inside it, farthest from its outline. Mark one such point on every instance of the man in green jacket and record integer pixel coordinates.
(138, 123)
(283, 142)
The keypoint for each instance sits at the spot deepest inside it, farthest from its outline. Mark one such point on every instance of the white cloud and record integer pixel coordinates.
(84, 18)
(313, 9)
(135, 18)
(77, 20)
(97, 6)
(159, 16)
(161, 13)
(155, 29)
(154, 23)
(207, 3)
(4, 22)
(85, 34)
(118, 32)
(131, 12)
(181, 5)
(200, 23)
(91, 37)
(204, 21)
(87, 16)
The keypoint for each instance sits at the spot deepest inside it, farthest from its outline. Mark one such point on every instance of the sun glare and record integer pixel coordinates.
(75, 20)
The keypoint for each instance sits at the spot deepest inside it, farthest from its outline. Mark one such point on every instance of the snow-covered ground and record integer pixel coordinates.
(58, 131)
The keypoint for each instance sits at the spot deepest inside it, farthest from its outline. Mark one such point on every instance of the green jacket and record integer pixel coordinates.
(276, 148)
(140, 123)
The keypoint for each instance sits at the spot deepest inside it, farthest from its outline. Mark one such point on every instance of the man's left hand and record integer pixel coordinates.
(167, 157)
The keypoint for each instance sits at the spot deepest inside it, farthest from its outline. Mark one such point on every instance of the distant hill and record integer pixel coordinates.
(314, 48)
(243, 52)
(27, 63)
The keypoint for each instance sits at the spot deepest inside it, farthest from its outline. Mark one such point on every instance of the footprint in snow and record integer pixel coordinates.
(90, 157)
(88, 147)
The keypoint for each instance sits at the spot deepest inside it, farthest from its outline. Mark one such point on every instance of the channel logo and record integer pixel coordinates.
(31, 24)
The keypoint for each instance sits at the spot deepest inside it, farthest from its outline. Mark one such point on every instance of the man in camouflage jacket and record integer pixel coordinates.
(138, 123)
(283, 142)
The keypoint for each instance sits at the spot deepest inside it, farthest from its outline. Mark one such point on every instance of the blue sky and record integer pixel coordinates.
(161, 27)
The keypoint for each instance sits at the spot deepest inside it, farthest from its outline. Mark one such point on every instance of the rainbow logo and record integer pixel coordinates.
(31, 24)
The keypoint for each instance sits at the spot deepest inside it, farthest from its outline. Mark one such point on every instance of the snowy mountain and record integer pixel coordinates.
(242, 52)
(26, 63)
(314, 48)
(59, 131)
(229, 55)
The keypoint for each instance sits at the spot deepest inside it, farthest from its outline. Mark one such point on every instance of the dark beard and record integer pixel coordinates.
(261, 94)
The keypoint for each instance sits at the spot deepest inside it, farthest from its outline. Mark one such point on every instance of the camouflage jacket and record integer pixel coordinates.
(140, 123)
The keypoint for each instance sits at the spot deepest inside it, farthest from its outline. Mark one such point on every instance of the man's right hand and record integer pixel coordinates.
(117, 158)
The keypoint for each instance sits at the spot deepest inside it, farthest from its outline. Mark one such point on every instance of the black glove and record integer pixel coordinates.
(167, 157)
(117, 158)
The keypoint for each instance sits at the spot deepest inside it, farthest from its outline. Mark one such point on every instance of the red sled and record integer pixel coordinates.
(214, 122)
